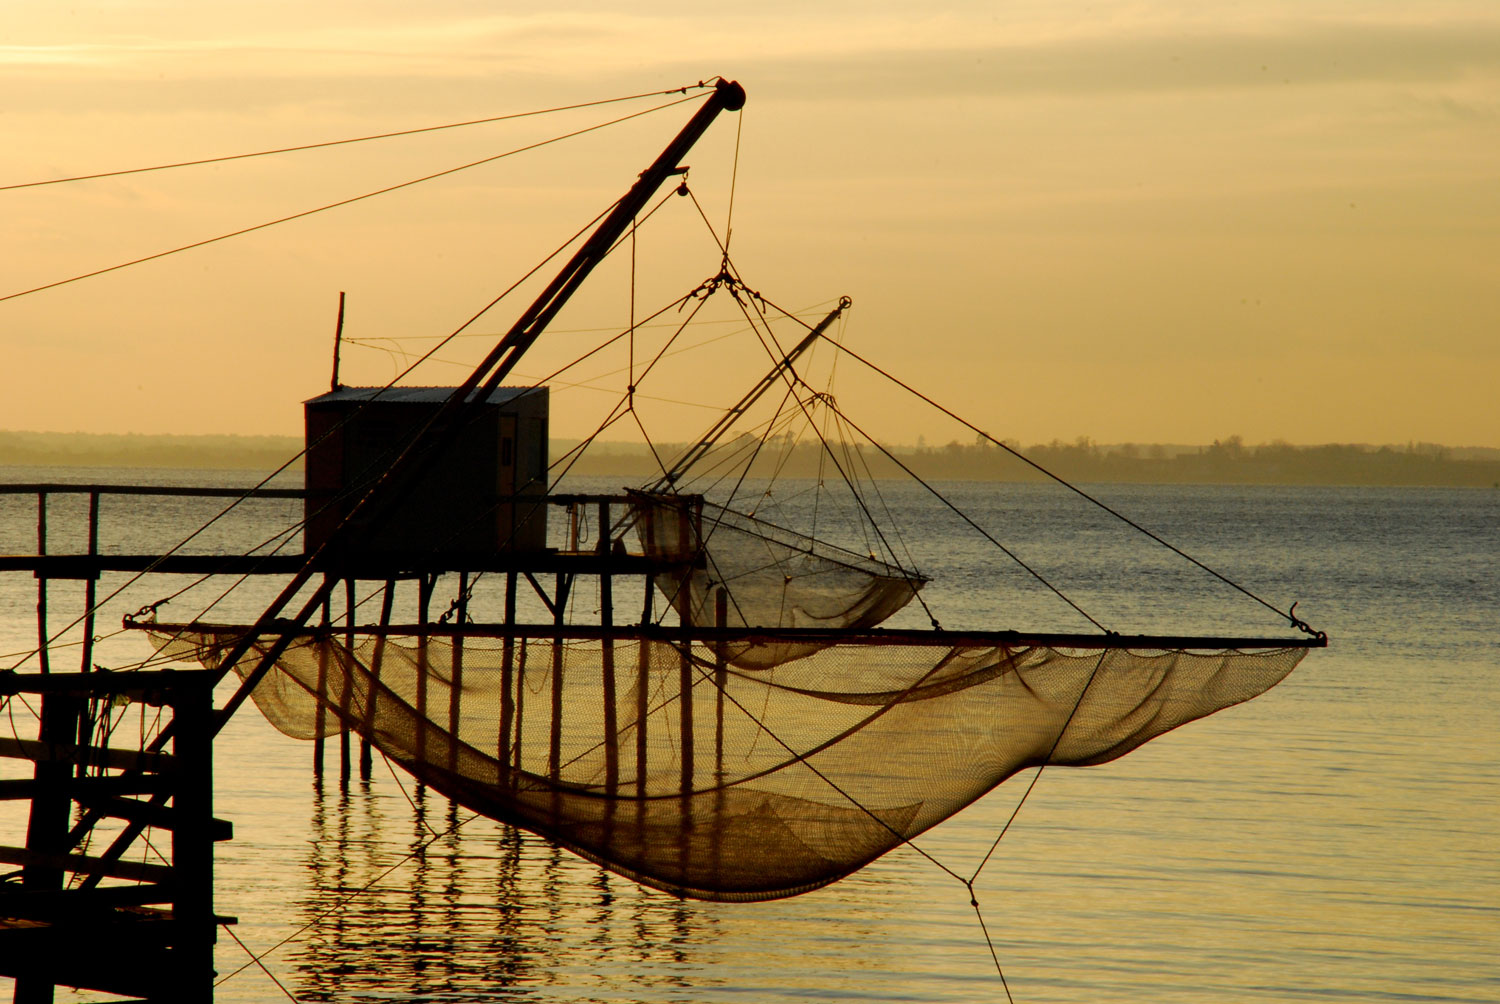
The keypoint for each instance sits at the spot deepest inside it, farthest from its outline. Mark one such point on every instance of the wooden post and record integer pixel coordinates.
(89, 587)
(321, 719)
(41, 584)
(47, 826)
(692, 531)
(425, 585)
(192, 839)
(507, 697)
(685, 742)
(456, 677)
(554, 740)
(520, 724)
(338, 336)
(685, 699)
(607, 621)
(345, 684)
(721, 676)
(86, 660)
(372, 697)
(642, 694)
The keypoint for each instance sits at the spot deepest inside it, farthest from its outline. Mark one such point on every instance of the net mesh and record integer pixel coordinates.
(769, 576)
(667, 764)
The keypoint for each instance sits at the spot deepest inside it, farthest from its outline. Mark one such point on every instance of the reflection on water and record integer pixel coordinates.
(474, 907)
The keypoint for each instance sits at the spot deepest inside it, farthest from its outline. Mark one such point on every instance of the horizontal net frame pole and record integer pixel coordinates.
(873, 636)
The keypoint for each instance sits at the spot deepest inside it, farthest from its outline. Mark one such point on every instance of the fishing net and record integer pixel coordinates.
(738, 571)
(667, 764)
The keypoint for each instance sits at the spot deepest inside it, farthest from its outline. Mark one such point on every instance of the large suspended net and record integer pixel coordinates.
(736, 571)
(663, 762)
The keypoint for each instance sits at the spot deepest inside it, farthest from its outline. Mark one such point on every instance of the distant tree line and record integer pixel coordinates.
(1227, 461)
(43, 449)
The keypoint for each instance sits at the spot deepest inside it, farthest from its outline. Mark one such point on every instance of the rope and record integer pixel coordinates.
(973, 896)
(356, 139)
(1290, 614)
(344, 202)
(790, 376)
(734, 177)
(1055, 743)
(257, 961)
(302, 452)
(966, 518)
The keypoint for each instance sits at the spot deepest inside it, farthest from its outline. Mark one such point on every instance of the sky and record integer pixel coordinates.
(1135, 222)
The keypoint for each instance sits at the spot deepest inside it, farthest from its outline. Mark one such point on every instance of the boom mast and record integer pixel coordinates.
(727, 96)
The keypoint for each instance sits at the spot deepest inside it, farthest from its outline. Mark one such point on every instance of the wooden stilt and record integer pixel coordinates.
(345, 682)
(90, 590)
(425, 586)
(47, 827)
(692, 533)
(554, 739)
(41, 585)
(507, 698)
(607, 654)
(192, 837)
(456, 678)
(372, 698)
(321, 721)
(721, 676)
(642, 695)
(685, 703)
(90, 586)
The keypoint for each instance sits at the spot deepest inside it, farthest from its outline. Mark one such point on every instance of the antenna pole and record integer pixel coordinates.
(338, 336)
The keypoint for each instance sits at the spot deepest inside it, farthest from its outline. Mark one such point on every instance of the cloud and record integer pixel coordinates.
(1315, 56)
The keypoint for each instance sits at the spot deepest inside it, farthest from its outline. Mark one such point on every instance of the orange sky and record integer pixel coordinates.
(1169, 222)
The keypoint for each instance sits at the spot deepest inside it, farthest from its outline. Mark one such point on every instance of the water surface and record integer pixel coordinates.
(1333, 840)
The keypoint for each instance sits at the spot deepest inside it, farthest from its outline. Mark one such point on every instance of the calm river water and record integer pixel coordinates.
(1334, 840)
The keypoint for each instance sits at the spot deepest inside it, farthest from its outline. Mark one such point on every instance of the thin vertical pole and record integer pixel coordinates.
(372, 696)
(685, 699)
(520, 702)
(721, 676)
(425, 585)
(346, 683)
(554, 743)
(691, 529)
(607, 621)
(642, 693)
(86, 660)
(338, 336)
(321, 719)
(456, 678)
(90, 586)
(41, 584)
(507, 697)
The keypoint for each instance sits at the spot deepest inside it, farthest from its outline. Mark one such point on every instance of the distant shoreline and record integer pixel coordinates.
(1227, 462)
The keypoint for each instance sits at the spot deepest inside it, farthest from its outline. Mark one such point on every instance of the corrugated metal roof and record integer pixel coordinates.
(418, 395)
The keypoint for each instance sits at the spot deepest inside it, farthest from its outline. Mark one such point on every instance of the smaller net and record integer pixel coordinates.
(667, 764)
(741, 572)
